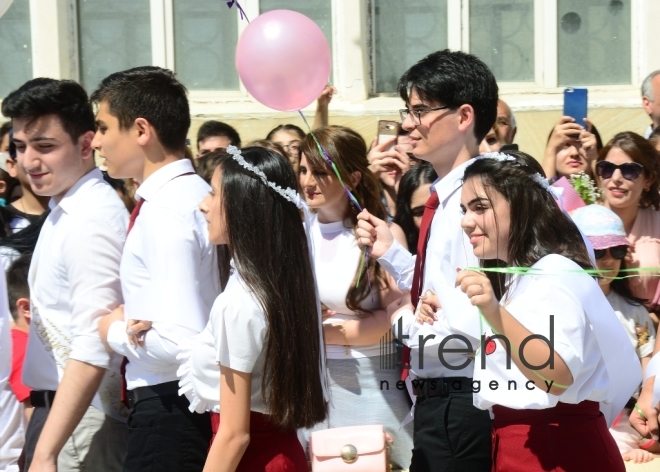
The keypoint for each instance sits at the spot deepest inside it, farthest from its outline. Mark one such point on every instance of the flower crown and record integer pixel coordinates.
(288, 193)
(536, 177)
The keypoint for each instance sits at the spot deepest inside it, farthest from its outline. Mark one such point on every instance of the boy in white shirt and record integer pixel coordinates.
(451, 104)
(78, 420)
(168, 270)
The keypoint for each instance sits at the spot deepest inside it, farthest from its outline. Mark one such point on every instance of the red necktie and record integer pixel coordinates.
(124, 390)
(418, 277)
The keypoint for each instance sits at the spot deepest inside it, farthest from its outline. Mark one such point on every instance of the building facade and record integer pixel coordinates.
(535, 48)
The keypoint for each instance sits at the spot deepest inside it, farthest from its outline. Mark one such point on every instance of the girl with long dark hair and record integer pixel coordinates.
(553, 363)
(414, 191)
(355, 294)
(259, 361)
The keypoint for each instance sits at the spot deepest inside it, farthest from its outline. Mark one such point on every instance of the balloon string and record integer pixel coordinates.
(653, 271)
(241, 12)
(351, 198)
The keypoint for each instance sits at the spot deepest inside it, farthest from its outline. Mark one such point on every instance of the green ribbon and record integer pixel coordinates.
(651, 271)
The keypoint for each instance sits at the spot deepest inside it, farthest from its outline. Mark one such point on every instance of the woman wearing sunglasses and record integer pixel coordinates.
(627, 171)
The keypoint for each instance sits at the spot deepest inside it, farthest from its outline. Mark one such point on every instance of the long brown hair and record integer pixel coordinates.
(538, 226)
(348, 151)
(642, 152)
(267, 242)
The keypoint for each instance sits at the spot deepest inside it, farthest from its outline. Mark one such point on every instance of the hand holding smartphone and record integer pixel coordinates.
(386, 131)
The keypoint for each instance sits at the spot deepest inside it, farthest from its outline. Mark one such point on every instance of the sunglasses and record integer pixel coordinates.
(629, 170)
(617, 252)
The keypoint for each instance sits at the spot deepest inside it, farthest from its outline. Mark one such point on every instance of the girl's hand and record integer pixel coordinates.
(326, 312)
(428, 306)
(646, 423)
(480, 292)
(136, 330)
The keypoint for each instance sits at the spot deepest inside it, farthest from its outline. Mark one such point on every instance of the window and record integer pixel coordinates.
(593, 42)
(114, 36)
(404, 33)
(319, 11)
(15, 47)
(502, 35)
(205, 36)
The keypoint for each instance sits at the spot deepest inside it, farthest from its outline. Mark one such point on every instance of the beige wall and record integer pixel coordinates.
(533, 126)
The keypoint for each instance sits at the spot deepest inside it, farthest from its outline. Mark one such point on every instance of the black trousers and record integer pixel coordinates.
(164, 436)
(451, 435)
(34, 427)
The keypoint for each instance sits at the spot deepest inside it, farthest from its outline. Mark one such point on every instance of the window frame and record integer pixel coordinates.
(55, 53)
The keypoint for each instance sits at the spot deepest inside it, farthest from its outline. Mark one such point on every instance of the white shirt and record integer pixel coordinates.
(12, 418)
(169, 273)
(234, 337)
(74, 280)
(637, 323)
(448, 249)
(586, 334)
(336, 260)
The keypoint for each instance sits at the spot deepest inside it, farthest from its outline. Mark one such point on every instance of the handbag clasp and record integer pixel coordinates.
(349, 453)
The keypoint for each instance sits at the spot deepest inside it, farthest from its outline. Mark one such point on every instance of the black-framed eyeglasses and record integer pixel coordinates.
(416, 114)
(629, 170)
(617, 252)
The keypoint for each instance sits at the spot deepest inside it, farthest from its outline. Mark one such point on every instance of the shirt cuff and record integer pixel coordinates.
(90, 349)
(117, 338)
(400, 264)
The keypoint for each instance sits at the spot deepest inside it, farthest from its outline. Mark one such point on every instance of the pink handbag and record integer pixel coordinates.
(351, 449)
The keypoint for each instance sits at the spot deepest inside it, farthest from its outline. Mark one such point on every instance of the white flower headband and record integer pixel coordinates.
(538, 178)
(288, 193)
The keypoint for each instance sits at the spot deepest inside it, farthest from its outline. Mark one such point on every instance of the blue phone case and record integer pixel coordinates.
(575, 104)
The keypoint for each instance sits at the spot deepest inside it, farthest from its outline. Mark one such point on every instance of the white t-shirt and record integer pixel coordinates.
(637, 322)
(234, 337)
(336, 260)
(586, 335)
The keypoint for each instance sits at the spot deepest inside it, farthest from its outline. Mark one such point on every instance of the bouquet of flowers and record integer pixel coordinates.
(585, 187)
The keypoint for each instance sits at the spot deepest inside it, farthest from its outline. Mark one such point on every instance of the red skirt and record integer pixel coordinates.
(564, 438)
(270, 449)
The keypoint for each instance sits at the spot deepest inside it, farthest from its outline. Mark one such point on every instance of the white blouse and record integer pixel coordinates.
(336, 260)
(586, 334)
(235, 338)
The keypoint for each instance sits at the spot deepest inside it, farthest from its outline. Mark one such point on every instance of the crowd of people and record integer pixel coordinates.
(229, 310)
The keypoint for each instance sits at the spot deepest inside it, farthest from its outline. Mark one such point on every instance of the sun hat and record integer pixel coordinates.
(602, 226)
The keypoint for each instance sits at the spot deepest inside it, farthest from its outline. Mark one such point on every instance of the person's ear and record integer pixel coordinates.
(85, 142)
(646, 104)
(355, 178)
(12, 168)
(23, 307)
(145, 131)
(649, 181)
(3, 187)
(466, 117)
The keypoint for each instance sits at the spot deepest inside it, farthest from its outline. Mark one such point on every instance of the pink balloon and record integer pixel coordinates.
(283, 60)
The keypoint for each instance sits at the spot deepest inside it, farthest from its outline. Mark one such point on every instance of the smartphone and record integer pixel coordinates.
(575, 104)
(388, 130)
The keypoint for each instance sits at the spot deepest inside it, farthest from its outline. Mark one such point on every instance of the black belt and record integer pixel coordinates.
(139, 394)
(42, 398)
(441, 386)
